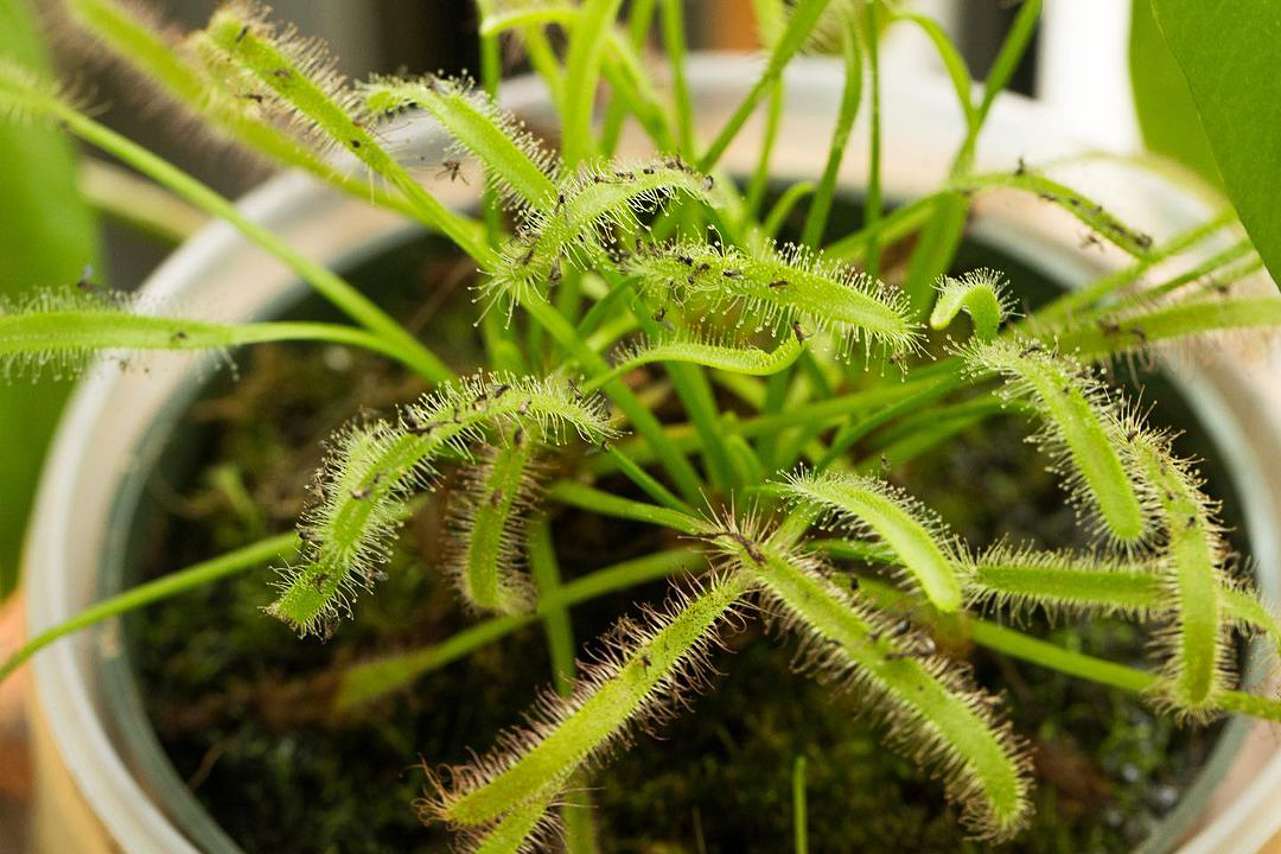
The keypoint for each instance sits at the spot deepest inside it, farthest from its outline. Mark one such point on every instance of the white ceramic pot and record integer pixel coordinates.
(102, 782)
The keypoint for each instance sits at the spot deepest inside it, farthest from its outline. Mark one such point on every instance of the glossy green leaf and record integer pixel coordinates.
(1168, 117)
(1228, 55)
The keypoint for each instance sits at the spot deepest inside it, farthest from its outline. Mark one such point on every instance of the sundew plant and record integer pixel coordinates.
(605, 285)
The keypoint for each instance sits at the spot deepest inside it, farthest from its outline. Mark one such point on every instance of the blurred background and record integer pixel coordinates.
(1078, 63)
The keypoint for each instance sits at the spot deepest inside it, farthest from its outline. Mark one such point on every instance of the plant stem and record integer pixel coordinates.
(805, 14)
(641, 418)
(582, 70)
(872, 204)
(783, 207)
(140, 204)
(799, 813)
(327, 284)
(546, 572)
(640, 19)
(368, 680)
(162, 588)
(851, 96)
(673, 20)
(276, 69)
(594, 500)
(648, 483)
(942, 235)
(580, 835)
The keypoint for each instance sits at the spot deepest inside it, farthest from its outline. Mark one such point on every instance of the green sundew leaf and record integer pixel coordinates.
(934, 714)
(1084, 430)
(372, 470)
(787, 287)
(851, 97)
(1061, 582)
(305, 81)
(522, 170)
(590, 205)
(1201, 654)
(59, 331)
(49, 236)
(131, 32)
(1243, 606)
(147, 45)
(1229, 63)
(1199, 317)
(982, 294)
(749, 361)
(519, 830)
(646, 669)
(1089, 212)
(489, 523)
(874, 508)
(1021, 579)
(1168, 117)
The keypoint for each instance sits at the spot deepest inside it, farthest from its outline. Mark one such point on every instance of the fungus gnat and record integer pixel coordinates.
(452, 169)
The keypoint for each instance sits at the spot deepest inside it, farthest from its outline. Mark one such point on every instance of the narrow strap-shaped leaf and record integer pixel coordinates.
(851, 96)
(1091, 213)
(372, 469)
(788, 288)
(934, 714)
(741, 360)
(643, 668)
(1200, 654)
(520, 830)
(306, 83)
(489, 525)
(582, 70)
(130, 33)
(589, 205)
(1138, 330)
(1062, 582)
(1084, 432)
(520, 167)
(62, 330)
(1021, 579)
(23, 95)
(873, 507)
(953, 62)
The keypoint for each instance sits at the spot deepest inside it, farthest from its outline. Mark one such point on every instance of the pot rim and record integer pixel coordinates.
(65, 675)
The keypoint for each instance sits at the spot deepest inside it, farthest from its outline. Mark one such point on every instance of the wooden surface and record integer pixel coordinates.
(15, 757)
